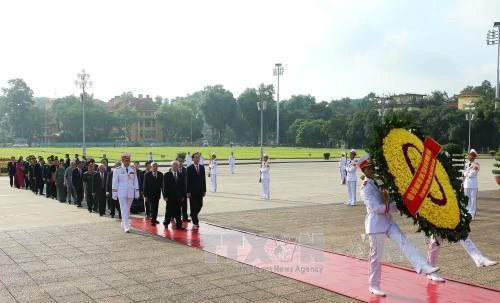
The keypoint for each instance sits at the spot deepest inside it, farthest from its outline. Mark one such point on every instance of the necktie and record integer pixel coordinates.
(102, 179)
(126, 168)
(154, 174)
(197, 170)
(175, 176)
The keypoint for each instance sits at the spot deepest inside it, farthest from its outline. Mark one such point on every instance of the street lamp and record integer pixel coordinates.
(492, 38)
(278, 71)
(469, 116)
(261, 106)
(82, 81)
(196, 118)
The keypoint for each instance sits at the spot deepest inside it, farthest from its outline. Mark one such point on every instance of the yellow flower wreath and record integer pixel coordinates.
(403, 153)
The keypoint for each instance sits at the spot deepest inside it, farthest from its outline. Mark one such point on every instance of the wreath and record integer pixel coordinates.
(421, 179)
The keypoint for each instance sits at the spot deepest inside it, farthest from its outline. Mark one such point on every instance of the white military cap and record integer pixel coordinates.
(353, 151)
(473, 151)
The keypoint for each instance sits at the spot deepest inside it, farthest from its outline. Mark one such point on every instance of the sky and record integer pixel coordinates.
(329, 49)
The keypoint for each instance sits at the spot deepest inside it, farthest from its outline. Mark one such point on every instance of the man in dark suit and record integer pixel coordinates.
(88, 183)
(196, 187)
(112, 203)
(174, 190)
(67, 163)
(40, 176)
(77, 179)
(12, 171)
(100, 189)
(183, 171)
(141, 175)
(153, 182)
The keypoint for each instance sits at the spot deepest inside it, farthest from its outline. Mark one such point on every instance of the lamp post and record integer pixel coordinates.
(278, 71)
(469, 116)
(82, 81)
(492, 38)
(196, 117)
(261, 106)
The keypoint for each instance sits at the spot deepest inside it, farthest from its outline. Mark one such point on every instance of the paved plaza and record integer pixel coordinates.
(53, 252)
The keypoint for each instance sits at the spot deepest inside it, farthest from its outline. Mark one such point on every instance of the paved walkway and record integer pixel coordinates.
(53, 252)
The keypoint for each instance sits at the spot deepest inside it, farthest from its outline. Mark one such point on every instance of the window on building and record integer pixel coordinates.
(148, 123)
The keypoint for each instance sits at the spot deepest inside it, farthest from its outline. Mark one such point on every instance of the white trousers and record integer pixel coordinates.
(265, 188)
(343, 175)
(472, 205)
(125, 204)
(213, 183)
(351, 192)
(231, 168)
(377, 251)
(467, 244)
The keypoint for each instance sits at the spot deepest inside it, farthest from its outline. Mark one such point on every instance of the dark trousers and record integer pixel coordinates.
(91, 202)
(147, 205)
(79, 195)
(33, 187)
(11, 180)
(101, 202)
(195, 204)
(153, 202)
(173, 211)
(113, 205)
(27, 182)
(39, 186)
(184, 209)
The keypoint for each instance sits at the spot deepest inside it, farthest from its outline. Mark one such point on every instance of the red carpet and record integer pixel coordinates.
(341, 274)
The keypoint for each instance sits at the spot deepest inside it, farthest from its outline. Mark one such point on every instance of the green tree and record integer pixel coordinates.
(218, 107)
(125, 118)
(18, 106)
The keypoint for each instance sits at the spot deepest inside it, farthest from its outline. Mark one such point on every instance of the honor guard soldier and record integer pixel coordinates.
(351, 178)
(470, 182)
(125, 188)
(342, 167)
(232, 163)
(265, 177)
(379, 225)
(212, 173)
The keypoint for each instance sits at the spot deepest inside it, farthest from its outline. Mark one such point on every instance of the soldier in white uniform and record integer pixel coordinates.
(202, 160)
(231, 162)
(352, 177)
(212, 173)
(470, 182)
(379, 225)
(469, 246)
(125, 188)
(189, 159)
(265, 176)
(342, 167)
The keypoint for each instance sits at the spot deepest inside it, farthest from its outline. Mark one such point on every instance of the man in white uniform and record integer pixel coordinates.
(342, 166)
(265, 177)
(470, 182)
(379, 225)
(212, 166)
(352, 177)
(232, 162)
(125, 188)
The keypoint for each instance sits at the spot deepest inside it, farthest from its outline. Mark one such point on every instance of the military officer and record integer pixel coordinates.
(189, 159)
(379, 225)
(212, 173)
(342, 167)
(232, 163)
(351, 178)
(470, 182)
(125, 188)
(265, 176)
(433, 253)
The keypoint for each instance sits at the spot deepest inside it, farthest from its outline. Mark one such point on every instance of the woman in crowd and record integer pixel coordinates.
(20, 173)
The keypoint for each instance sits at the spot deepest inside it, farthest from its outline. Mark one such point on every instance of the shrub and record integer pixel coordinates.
(452, 148)
(326, 156)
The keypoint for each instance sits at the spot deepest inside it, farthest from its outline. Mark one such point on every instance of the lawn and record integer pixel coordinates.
(169, 153)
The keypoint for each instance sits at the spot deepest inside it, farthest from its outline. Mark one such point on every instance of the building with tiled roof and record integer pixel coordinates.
(147, 129)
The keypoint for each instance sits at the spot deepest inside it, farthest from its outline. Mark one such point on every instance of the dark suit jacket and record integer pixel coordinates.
(98, 189)
(77, 179)
(172, 190)
(67, 163)
(152, 186)
(109, 183)
(39, 171)
(196, 183)
(12, 168)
